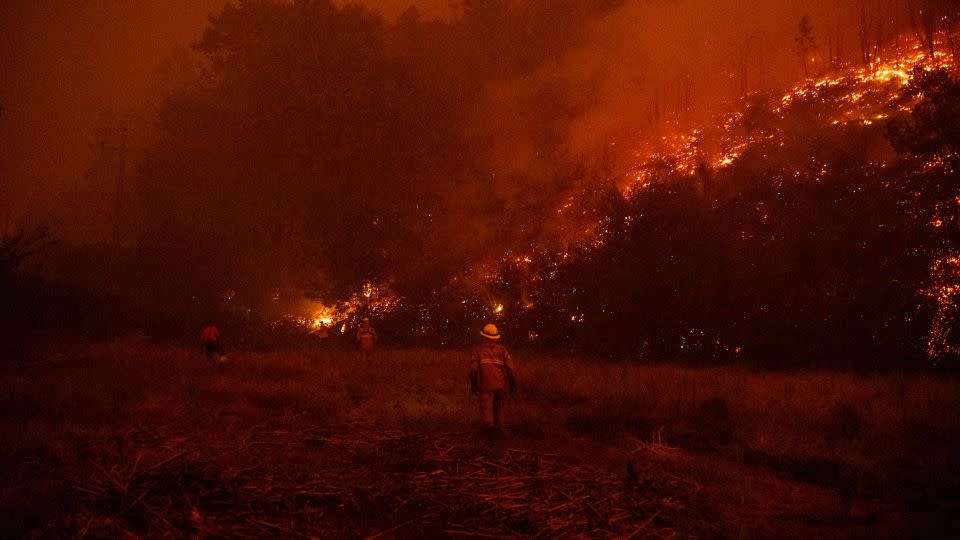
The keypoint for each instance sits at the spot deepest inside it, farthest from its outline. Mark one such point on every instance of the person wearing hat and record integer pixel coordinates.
(492, 374)
(365, 340)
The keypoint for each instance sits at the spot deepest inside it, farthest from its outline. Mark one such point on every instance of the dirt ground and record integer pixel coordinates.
(133, 439)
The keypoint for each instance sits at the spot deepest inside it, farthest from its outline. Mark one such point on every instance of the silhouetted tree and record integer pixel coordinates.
(804, 44)
(16, 247)
(309, 152)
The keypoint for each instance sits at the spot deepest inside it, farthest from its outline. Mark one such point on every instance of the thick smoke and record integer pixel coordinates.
(577, 99)
(643, 67)
(479, 119)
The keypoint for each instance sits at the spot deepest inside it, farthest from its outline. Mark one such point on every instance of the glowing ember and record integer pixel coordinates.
(944, 291)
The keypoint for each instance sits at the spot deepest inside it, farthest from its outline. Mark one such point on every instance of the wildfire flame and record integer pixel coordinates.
(863, 97)
(376, 300)
(850, 99)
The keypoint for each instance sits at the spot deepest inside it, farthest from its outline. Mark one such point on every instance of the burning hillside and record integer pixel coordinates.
(787, 219)
(848, 102)
(328, 165)
(788, 226)
(759, 231)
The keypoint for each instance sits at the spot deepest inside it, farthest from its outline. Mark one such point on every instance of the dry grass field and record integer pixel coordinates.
(129, 438)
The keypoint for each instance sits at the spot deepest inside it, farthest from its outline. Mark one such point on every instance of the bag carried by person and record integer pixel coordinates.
(511, 380)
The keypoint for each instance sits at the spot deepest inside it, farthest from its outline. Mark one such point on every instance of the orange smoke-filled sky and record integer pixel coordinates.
(63, 63)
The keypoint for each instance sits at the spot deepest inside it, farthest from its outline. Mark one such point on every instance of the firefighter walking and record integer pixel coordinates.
(210, 343)
(491, 377)
(365, 340)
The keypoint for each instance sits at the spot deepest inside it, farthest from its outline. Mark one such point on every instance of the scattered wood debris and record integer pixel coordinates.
(375, 484)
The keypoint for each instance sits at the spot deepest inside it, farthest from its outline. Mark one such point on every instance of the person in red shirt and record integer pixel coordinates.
(491, 376)
(210, 342)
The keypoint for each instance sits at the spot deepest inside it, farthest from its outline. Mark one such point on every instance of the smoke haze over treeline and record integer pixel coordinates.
(613, 67)
(309, 148)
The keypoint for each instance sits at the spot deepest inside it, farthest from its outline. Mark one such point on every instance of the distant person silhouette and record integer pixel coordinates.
(365, 340)
(210, 343)
(323, 333)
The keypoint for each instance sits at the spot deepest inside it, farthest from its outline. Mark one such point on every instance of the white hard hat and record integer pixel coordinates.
(490, 331)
